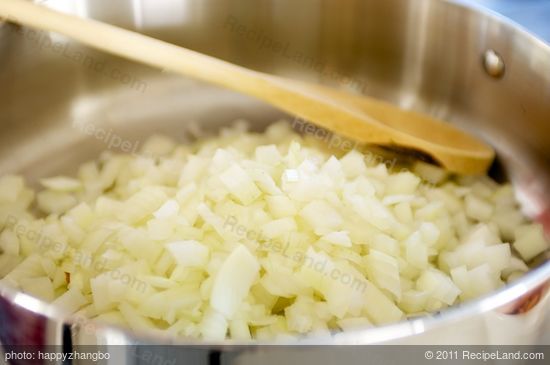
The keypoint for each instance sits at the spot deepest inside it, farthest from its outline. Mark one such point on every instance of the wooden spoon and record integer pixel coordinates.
(357, 117)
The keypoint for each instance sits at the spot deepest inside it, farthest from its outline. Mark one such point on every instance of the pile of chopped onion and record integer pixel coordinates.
(259, 236)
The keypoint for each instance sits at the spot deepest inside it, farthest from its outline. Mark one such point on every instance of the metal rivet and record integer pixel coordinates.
(493, 64)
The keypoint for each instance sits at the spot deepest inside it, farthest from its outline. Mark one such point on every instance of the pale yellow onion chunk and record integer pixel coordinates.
(233, 281)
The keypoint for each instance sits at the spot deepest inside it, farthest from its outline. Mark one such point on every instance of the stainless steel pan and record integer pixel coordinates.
(472, 68)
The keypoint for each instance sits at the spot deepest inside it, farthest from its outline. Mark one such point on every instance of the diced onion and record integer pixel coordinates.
(259, 236)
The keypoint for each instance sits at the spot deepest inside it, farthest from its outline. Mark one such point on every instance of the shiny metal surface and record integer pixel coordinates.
(421, 54)
(494, 64)
(531, 14)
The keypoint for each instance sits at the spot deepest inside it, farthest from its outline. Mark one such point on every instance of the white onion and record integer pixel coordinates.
(259, 236)
(233, 281)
